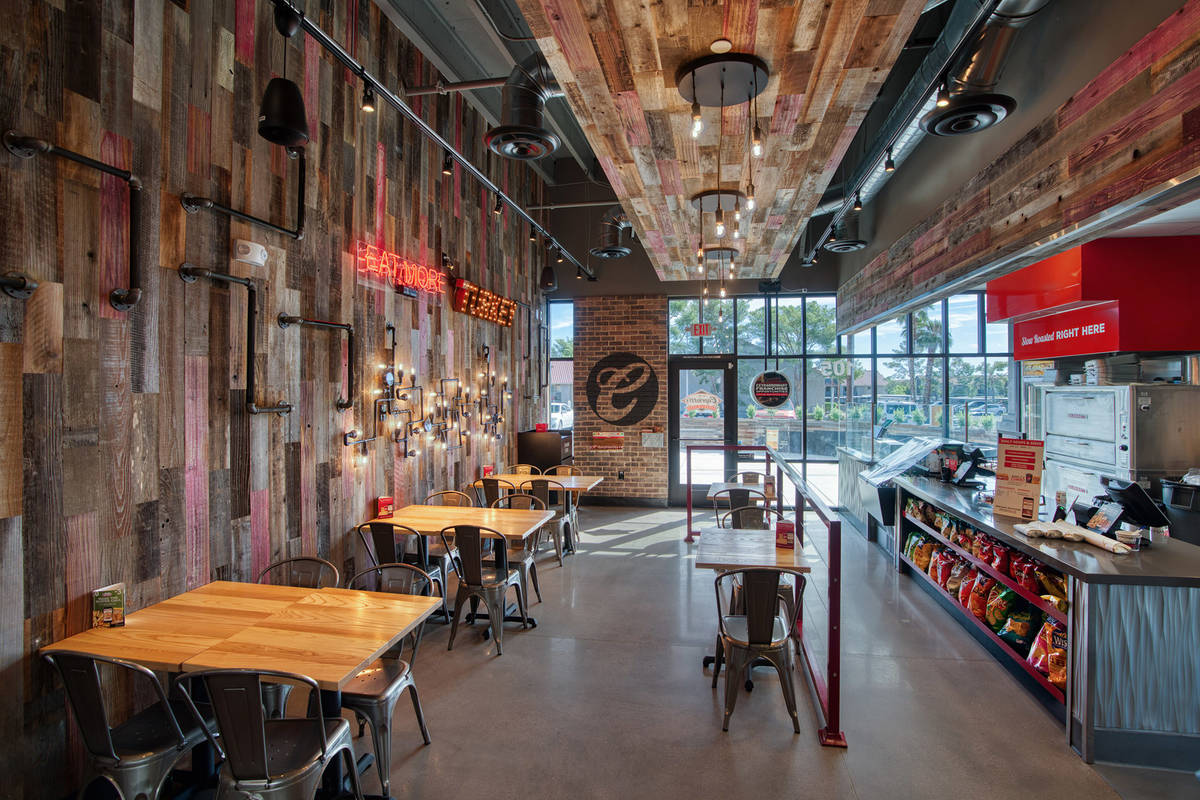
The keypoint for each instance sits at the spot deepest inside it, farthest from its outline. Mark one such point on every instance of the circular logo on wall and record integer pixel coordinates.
(622, 389)
(770, 389)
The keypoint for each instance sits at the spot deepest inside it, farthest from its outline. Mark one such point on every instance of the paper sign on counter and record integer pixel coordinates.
(1019, 477)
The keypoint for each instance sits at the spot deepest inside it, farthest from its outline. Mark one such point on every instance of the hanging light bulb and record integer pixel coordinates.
(889, 165)
(720, 229)
(447, 165)
(699, 252)
(532, 235)
(558, 259)
(721, 310)
(496, 209)
(578, 273)
(858, 201)
(706, 289)
(737, 209)
(943, 95)
(750, 198)
(756, 146)
(697, 120)
(737, 231)
(732, 265)
(722, 290)
(368, 99)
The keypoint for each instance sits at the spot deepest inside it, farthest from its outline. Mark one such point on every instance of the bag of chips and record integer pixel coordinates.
(978, 601)
(934, 560)
(1001, 602)
(1052, 582)
(963, 537)
(981, 546)
(910, 545)
(1023, 571)
(1049, 652)
(922, 553)
(1000, 558)
(968, 583)
(1058, 602)
(945, 566)
(958, 574)
(1017, 630)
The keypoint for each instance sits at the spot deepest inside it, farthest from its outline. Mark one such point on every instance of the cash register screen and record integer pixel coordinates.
(1139, 508)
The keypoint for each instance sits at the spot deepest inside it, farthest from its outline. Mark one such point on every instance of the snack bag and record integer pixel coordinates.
(958, 574)
(981, 546)
(1000, 558)
(945, 565)
(1039, 654)
(963, 537)
(911, 544)
(1017, 630)
(1058, 602)
(1001, 602)
(1052, 582)
(1056, 661)
(968, 583)
(1023, 571)
(922, 553)
(978, 601)
(934, 560)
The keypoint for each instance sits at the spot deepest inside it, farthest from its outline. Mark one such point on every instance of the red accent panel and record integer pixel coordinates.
(244, 31)
(1081, 331)
(1048, 284)
(260, 531)
(380, 195)
(312, 85)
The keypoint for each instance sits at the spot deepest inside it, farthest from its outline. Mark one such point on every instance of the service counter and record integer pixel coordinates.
(1132, 689)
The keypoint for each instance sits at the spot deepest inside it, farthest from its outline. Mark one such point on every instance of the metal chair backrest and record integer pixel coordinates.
(524, 469)
(751, 517)
(396, 578)
(391, 542)
(81, 675)
(308, 572)
(541, 488)
(750, 477)
(760, 600)
(563, 469)
(522, 501)
(492, 488)
(449, 497)
(737, 498)
(469, 541)
(236, 697)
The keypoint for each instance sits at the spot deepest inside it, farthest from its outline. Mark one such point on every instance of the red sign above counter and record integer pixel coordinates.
(1080, 331)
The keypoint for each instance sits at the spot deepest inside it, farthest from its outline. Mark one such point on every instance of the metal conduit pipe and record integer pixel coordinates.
(442, 87)
(29, 146)
(18, 285)
(339, 52)
(286, 320)
(192, 203)
(188, 273)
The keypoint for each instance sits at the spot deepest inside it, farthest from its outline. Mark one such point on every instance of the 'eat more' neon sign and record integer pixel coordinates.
(399, 271)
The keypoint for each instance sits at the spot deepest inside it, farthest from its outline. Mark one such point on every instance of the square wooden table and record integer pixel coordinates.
(514, 524)
(743, 548)
(768, 488)
(575, 486)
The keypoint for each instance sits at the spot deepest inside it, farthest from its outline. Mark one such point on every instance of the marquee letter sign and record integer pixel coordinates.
(397, 271)
(485, 305)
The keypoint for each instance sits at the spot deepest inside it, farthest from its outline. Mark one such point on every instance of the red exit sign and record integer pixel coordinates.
(701, 329)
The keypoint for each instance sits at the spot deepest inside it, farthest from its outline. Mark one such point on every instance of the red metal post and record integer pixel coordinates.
(689, 537)
(831, 735)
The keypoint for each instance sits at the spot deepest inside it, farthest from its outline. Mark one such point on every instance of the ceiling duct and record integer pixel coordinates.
(613, 225)
(845, 236)
(522, 133)
(974, 105)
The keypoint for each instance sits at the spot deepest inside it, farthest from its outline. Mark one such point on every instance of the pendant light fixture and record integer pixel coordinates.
(943, 95)
(858, 201)
(888, 164)
(368, 99)
(756, 145)
(447, 165)
(697, 120)
(282, 119)
(548, 281)
(720, 229)
(496, 209)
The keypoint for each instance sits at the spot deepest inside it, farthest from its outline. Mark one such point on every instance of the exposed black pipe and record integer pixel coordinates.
(286, 320)
(442, 87)
(192, 203)
(188, 273)
(18, 285)
(330, 44)
(29, 146)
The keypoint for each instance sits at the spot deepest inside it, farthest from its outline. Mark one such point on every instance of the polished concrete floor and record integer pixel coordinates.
(607, 698)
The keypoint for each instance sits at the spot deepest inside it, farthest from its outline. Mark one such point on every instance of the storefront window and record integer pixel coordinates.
(562, 364)
(927, 329)
(997, 338)
(820, 323)
(718, 314)
(780, 428)
(681, 315)
(857, 343)
(751, 325)
(963, 323)
(788, 323)
(892, 337)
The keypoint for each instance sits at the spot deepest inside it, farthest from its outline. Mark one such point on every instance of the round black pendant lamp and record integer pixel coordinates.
(282, 119)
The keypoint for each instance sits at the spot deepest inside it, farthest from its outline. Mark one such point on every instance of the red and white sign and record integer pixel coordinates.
(1018, 477)
(701, 329)
(1081, 331)
(396, 270)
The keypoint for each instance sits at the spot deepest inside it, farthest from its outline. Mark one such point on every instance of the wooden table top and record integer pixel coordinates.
(767, 489)
(740, 548)
(327, 634)
(512, 523)
(570, 483)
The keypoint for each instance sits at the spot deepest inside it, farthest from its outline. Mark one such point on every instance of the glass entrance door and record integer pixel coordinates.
(702, 396)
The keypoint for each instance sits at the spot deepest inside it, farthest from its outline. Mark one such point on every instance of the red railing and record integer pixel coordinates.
(826, 687)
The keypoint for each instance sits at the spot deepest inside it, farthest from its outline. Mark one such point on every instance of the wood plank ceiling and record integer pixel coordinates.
(616, 60)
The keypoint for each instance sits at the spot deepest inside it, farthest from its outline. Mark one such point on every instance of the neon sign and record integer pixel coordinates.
(398, 271)
(482, 304)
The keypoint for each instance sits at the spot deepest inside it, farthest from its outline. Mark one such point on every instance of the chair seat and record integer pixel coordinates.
(383, 677)
(737, 629)
(439, 551)
(295, 744)
(150, 733)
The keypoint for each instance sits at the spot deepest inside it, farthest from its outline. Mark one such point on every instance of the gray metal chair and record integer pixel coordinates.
(521, 555)
(136, 756)
(450, 497)
(569, 501)
(563, 469)
(735, 498)
(524, 469)
(306, 571)
(273, 758)
(394, 543)
(547, 491)
(494, 489)
(479, 582)
(757, 633)
(750, 518)
(373, 693)
(309, 572)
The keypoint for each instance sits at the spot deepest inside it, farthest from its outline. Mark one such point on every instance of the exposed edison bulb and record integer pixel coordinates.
(737, 232)
(756, 146)
(721, 314)
(737, 210)
(697, 120)
(720, 229)
(705, 290)
(722, 291)
(750, 199)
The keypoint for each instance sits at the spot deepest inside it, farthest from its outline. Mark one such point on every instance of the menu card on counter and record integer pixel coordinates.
(108, 606)
(1018, 478)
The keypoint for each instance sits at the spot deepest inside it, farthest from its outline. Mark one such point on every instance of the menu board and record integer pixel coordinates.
(1019, 478)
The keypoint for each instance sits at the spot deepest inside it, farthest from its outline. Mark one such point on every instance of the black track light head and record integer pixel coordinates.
(368, 99)
(447, 165)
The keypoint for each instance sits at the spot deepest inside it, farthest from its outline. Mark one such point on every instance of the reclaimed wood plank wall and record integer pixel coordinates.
(126, 452)
(1133, 128)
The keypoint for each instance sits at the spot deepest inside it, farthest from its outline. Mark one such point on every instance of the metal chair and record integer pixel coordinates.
(571, 503)
(757, 633)
(309, 572)
(736, 498)
(273, 758)
(563, 469)
(394, 543)
(373, 693)
(450, 497)
(547, 491)
(493, 487)
(524, 469)
(476, 581)
(136, 757)
(520, 556)
(750, 518)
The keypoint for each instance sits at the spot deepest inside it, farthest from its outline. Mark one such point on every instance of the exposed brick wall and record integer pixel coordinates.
(605, 326)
